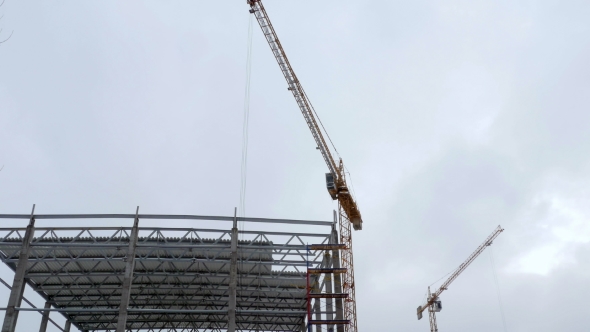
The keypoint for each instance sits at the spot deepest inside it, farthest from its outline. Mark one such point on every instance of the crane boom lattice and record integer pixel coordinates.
(348, 278)
(433, 303)
(335, 179)
(293, 83)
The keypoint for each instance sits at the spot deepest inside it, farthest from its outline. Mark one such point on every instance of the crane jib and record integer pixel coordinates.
(434, 296)
(339, 189)
(293, 83)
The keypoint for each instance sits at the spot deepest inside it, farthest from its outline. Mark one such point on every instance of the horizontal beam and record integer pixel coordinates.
(155, 246)
(327, 246)
(161, 229)
(178, 311)
(328, 295)
(254, 275)
(333, 321)
(185, 298)
(163, 324)
(165, 217)
(327, 270)
(247, 262)
(284, 289)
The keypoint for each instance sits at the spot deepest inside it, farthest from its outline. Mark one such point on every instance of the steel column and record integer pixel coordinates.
(18, 284)
(316, 288)
(337, 282)
(67, 326)
(233, 275)
(328, 286)
(128, 278)
(45, 317)
(348, 278)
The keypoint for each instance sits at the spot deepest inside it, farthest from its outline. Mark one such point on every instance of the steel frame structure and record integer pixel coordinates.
(183, 279)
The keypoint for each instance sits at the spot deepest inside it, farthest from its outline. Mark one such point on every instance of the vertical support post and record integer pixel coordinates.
(329, 301)
(308, 290)
(18, 284)
(346, 260)
(45, 317)
(128, 277)
(233, 275)
(432, 318)
(431, 314)
(67, 326)
(337, 276)
(317, 288)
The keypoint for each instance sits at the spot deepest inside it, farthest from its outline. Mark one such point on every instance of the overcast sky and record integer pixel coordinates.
(452, 117)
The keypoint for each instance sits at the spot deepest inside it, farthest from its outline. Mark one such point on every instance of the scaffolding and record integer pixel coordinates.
(211, 278)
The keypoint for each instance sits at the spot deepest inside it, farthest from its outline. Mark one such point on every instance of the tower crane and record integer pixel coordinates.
(335, 179)
(433, 303)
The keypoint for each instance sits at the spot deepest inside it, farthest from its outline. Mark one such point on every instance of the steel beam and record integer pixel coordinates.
(172, 229)
(129, 266)
(337, 277)
(177, 272)
(178, 311)
(45, 317)
(233, 276)
(18, 284)
(167, 217)
(328, 290)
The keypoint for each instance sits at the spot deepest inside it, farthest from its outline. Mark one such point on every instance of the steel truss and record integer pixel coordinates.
(180, 277)
(348, 277)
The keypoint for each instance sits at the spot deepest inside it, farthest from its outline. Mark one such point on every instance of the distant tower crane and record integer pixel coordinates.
(335, 179)
(433, 303)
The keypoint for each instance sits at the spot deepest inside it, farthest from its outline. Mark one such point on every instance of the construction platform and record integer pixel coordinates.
(225, 273)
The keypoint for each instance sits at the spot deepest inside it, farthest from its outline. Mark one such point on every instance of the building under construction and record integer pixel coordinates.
(229, 273)
(225, 273)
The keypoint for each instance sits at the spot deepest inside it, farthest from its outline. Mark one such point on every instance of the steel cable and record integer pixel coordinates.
(498, 289)
(244, 160)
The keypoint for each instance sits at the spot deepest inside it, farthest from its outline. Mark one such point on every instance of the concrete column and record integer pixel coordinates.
(18, 284)
(45, 318)
(128, 277)
(233, 276)
(337, 279)
(67, 326)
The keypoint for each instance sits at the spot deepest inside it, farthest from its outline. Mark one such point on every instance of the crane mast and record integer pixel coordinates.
(433, 303)
(335, 179)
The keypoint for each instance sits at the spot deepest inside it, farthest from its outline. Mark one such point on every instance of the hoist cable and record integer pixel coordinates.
(244, 160)
(321, 124)
(498, 289)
